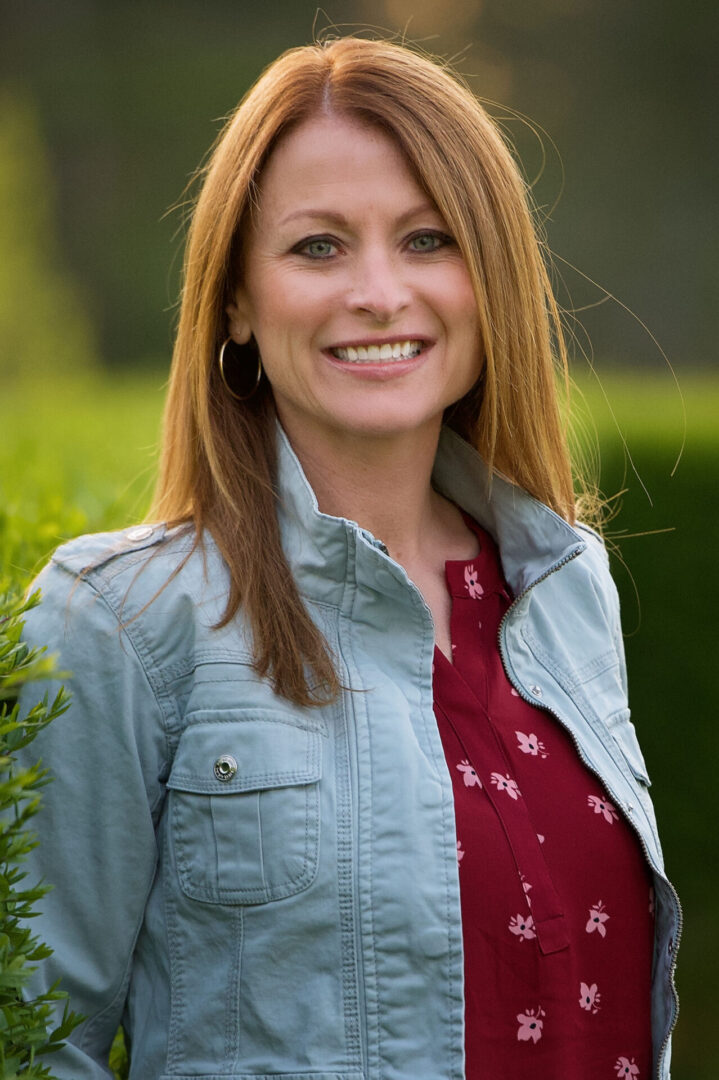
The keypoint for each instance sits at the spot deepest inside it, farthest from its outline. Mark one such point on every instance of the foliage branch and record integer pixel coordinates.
(28, 1027)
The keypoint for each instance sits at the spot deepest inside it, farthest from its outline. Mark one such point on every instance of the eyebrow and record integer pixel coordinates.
(341, 220)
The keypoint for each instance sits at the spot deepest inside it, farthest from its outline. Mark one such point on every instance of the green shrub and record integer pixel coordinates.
(27, 1029)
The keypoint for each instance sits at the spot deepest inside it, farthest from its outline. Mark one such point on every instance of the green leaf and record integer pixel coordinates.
(25, 1024)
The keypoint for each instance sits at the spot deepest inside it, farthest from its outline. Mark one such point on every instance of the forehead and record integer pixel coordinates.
(335, 158)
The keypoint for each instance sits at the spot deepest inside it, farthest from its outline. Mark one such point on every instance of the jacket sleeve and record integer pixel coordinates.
(97, 845)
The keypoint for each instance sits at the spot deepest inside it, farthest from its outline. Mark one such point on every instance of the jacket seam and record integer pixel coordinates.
(94, 1022)
(430, 728)
(369, 962)
(152, 671)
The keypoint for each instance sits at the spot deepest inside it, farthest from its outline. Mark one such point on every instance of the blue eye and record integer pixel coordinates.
(429, 241)
(318, 247)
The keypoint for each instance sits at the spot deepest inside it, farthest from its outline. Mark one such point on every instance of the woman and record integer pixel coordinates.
(349, 786)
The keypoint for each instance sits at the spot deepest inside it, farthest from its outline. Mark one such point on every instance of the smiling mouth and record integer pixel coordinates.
(372, 354)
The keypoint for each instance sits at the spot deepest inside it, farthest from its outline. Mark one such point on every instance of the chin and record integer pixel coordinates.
(387, 426)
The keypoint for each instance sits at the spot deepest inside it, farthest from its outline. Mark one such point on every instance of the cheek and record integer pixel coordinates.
(467, 333)
(290, 318)
(460, 302)
(465, 317)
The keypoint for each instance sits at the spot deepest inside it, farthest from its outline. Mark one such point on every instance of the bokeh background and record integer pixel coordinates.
(106, 110)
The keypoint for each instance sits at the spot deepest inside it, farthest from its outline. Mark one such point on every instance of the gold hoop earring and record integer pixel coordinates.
(223, 376)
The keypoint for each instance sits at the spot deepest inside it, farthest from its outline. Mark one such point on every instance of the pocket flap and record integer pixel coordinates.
(223, 755)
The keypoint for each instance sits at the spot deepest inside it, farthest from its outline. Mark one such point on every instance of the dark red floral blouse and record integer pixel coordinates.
(557, 906)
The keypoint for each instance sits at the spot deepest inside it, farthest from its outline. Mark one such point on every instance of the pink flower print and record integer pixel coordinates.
(522, 927)
(540, 838)
(471, 583)
(651, 899)
(460, 851)
(530, 744)
(625, 1067)
(589, 997)
(530, 1025)
(597, 919)
(603, 806)
(526, 886)
(514, 692)
(505, 783)
(470, 777)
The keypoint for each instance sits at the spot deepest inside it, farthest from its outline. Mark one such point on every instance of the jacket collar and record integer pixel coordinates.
(532, 539)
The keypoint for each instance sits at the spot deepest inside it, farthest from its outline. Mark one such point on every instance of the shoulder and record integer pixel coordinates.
(591, 537)
(591, 574)
(580, 591)
(595, 558)
(109, 580)
(146, 555)
(98, 555)
(136, 608)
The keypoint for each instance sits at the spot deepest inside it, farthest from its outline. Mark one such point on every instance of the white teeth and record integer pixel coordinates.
(397, 350)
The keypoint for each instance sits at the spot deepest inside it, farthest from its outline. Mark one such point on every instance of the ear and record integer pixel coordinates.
(238, 318)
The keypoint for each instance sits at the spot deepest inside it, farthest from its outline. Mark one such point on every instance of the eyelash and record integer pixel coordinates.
(443, 241)
(443, 238)
(303, 247)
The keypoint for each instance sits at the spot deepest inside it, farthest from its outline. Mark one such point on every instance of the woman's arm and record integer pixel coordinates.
(96, 831)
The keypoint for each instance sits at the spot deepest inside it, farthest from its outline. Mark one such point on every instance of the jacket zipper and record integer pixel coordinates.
(583, 757)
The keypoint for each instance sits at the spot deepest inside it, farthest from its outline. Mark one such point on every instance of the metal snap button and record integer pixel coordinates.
(140, 532)
(225, 767)
(536, 690)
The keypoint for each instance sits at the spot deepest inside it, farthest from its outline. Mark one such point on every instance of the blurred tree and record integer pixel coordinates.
(131, 95)
(44, 326)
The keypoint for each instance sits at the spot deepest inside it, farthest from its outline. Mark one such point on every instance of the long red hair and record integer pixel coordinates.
(217, 465)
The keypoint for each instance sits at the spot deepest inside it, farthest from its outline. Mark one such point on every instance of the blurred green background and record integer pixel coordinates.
(107, 109)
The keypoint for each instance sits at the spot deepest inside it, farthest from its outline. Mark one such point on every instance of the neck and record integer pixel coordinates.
(384, 484)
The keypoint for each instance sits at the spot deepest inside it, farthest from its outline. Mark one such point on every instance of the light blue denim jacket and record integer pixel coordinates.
(260, 890)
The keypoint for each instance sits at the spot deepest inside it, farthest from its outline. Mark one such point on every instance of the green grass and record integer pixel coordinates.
(668, 587)
(80, 457)
(74, 457)
(654, 407)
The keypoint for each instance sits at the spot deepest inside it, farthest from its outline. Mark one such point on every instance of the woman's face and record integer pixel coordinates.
(360, 303)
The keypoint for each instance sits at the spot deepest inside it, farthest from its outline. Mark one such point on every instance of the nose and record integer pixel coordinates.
(378, 286)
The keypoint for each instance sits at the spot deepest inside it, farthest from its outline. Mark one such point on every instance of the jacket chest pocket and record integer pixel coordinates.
(244, 807)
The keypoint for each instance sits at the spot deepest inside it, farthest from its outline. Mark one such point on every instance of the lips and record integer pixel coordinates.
(379, 352)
